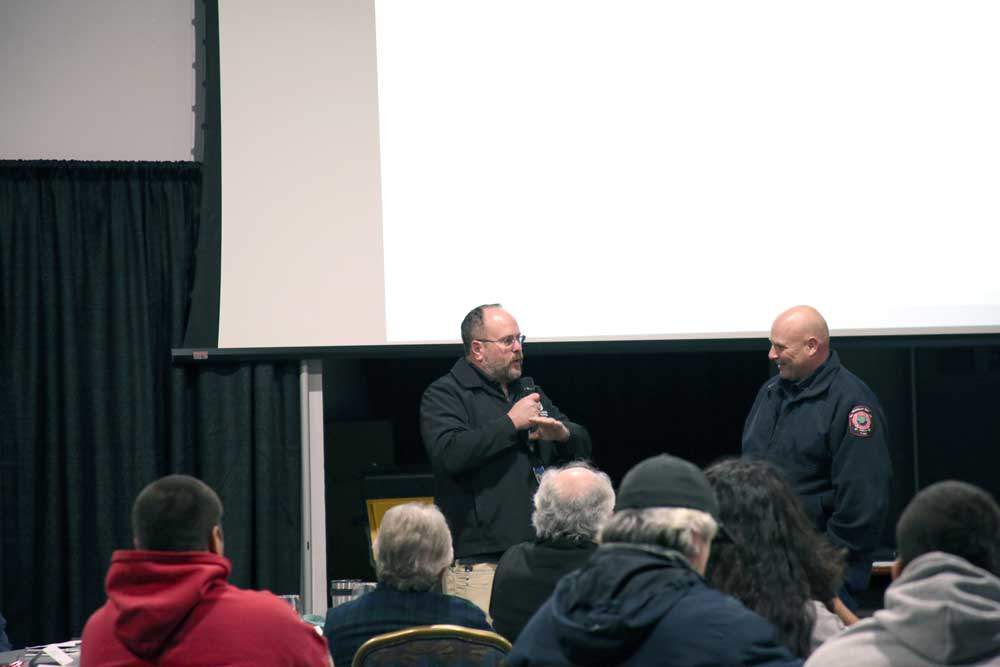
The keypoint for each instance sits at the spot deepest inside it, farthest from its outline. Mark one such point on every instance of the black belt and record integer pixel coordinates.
(477, 560)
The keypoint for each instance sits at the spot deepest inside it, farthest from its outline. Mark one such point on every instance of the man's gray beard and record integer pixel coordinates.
(503, 374)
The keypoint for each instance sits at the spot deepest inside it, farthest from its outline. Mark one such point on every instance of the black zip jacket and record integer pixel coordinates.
(483, 468)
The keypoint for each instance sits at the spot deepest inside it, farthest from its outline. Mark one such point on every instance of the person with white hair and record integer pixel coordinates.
(641, 598)
(412, 551)
(571, 505)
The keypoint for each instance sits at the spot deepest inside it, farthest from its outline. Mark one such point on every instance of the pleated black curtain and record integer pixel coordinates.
(96, 268)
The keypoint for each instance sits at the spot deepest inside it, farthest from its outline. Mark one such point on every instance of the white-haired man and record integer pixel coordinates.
(571, 505)
(641, 598)
(412, 551)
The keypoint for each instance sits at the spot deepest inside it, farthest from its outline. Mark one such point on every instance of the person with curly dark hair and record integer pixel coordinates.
(777, 563)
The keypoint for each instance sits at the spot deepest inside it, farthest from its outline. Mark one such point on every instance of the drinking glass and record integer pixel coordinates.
(341, 591)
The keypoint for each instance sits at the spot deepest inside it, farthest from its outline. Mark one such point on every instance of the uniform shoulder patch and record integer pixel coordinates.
(861, 421)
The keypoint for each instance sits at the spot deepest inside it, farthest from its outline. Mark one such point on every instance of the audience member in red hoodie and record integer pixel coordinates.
(169, 601)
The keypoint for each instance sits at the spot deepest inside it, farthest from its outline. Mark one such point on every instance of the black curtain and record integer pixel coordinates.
(203, 321)
(96, 269)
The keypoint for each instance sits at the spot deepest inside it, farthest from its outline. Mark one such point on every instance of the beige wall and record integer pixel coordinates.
(97, 79)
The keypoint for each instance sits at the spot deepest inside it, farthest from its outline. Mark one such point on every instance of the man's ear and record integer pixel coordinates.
(704, 551)
(896, 569)
(215, 542)
(812, 343)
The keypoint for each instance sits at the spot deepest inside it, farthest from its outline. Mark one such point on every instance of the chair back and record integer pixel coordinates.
(433, 646)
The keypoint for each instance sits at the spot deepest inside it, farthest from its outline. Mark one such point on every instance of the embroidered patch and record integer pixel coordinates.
(861, 421)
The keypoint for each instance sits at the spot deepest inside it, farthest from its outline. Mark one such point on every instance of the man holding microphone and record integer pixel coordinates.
(490, 433)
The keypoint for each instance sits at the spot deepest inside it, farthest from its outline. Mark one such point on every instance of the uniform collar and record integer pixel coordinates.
(815, 384)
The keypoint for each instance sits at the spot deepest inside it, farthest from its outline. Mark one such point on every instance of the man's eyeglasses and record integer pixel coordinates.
(506, 341)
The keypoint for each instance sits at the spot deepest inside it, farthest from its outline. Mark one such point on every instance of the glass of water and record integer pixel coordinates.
(362, 587)
(342, 590)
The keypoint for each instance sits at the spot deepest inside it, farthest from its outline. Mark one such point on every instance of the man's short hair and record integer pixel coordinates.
(175, 513)
(413, 547)
(572, 516)
(668, 527)
(954, 517)
(472, 325)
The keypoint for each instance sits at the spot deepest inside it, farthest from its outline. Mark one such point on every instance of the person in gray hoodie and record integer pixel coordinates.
(943, 607)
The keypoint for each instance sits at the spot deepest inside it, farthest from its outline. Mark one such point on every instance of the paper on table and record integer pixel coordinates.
(57, 654)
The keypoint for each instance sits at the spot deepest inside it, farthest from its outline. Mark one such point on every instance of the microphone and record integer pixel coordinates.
(529, 387)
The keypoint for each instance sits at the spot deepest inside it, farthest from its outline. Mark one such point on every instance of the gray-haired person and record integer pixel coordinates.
(571, 505)
(412, 551)
(640, 599)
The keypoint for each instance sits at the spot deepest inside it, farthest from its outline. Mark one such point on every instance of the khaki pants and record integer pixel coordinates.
(473, 581)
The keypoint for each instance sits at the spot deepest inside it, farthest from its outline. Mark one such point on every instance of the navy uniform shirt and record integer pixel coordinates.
(828, 434)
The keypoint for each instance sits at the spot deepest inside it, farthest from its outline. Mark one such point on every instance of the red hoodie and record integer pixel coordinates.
(177, 608)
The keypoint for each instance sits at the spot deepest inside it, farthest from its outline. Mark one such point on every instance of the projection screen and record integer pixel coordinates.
(607, 171)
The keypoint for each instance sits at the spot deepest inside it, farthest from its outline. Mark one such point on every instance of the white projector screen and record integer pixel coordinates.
(626, 170)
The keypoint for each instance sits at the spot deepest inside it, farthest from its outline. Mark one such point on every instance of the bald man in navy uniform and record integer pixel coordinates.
(825, 429)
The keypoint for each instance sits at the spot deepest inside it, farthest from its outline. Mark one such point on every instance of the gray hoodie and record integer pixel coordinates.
(941, 611)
